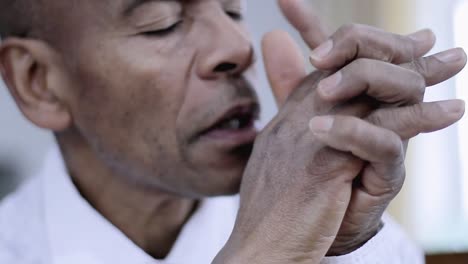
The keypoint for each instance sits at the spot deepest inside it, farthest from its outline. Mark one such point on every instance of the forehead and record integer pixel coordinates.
(83, 17)
(125, 7)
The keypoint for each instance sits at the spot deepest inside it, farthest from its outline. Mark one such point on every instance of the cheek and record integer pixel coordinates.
(128, 111)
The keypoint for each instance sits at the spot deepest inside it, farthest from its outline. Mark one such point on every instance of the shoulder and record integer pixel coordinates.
(19, 210)
(22, 234)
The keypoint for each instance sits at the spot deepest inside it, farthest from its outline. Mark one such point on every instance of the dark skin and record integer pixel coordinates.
(153, 158)
(378, 183)
(128, 95)
(325, 189)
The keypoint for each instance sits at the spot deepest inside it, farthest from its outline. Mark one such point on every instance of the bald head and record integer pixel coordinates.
(17, 17)
(46, 20)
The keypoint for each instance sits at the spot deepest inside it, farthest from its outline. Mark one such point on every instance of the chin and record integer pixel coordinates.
(221, 182)
(218, 181)
(210, 173)
(227, 181)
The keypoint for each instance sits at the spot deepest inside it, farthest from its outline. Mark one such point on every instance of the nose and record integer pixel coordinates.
(227, 51)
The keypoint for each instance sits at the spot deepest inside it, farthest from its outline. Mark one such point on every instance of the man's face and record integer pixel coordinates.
(158, 90)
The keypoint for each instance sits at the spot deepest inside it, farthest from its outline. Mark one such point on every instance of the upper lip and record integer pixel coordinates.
(250, 108)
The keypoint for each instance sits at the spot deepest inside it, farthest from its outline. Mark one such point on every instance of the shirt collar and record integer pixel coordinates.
(77, 233)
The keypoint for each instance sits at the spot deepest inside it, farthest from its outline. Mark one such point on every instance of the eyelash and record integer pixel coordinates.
(235, 15)
(169, 30)
(163, 32)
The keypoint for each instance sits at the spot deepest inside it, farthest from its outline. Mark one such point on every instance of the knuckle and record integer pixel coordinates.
(328, 164)
(348, 28)
(423, 117)
(351, 31)
(413, 117)
(387, 52)
(404, 47)
(400, 179)
(396, 178)
(412, 120)
(419, 87)
(420, 66)
(416, 113)
(394, 147)
(377, 118)
(386, 55)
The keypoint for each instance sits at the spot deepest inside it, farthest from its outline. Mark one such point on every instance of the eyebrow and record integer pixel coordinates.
(131, 5)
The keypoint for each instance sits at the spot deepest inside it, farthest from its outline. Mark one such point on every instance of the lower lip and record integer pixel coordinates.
(232, 138)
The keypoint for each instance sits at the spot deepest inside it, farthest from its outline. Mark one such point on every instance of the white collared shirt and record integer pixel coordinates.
(47, 221)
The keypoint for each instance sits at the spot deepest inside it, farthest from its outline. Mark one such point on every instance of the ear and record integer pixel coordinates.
(33, 75)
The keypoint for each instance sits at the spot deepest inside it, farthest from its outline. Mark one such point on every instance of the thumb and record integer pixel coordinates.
(301, 16)
(284, 64)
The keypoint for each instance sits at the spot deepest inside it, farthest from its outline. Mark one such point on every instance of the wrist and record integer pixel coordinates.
(344, 245)
(255, 253)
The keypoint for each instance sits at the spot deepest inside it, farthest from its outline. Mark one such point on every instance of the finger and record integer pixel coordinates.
(382, 148)
(390, 83)
(360, 41)
(284, 64)
(362, 139)
(385, 82)
(439, 67)
(408, 122)
(307, 23)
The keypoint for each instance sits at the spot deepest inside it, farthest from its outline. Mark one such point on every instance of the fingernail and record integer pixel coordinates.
(321, 124)
(450, 56)
(329, 86)
(423, 36)
(322, 51)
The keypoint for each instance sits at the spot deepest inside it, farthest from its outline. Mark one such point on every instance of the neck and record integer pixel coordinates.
(151, 219)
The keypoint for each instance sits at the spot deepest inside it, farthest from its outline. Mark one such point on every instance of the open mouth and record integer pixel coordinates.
(235, 126)
(237, 119)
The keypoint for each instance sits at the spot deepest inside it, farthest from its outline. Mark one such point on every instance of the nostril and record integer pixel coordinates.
(225, 67)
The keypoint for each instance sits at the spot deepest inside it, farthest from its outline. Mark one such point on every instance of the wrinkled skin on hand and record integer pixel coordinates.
(308, 194)
(293, 180)
(300, 199)
(367, 59)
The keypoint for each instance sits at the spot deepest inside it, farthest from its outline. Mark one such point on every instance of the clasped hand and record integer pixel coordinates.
(324, 170)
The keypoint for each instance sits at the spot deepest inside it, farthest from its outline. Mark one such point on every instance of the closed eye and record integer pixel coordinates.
(235, 15)
(162, 32)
